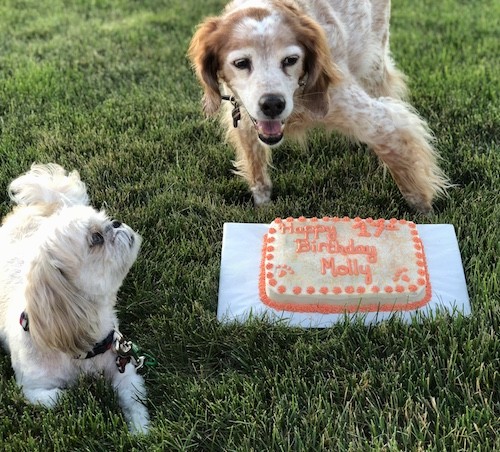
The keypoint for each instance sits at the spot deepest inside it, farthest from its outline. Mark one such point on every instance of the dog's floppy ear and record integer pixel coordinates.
(203, 52)
(59, 317)
(320, 70)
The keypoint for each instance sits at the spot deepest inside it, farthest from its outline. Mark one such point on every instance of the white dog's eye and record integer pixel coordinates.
(242, 63)
(97, 239)
(289, 60)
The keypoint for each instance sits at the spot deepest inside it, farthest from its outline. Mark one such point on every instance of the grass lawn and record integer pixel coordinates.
(105, 87)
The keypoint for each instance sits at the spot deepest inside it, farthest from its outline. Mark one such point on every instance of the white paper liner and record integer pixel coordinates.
(240, 266)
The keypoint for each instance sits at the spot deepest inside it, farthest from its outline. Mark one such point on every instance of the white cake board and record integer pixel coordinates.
(240, 266)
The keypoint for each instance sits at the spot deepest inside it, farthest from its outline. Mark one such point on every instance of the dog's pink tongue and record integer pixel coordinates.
(269, 128)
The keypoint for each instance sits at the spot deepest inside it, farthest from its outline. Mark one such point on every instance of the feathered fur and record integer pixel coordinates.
(62, 263)
(296, 64)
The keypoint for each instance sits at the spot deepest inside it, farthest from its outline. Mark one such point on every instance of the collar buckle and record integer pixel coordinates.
(236, 113)
(128, 351)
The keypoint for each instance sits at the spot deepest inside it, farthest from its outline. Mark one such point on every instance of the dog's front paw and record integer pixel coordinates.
(132, 397)
(138, 421)
(45, 397)
(261, 194)
(422, 204)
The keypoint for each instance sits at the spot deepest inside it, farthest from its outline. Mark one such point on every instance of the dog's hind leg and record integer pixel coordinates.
(399, 137)
(252, 160)
(382, 77)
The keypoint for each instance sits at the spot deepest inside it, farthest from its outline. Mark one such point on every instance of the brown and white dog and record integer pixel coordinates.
(290, 65)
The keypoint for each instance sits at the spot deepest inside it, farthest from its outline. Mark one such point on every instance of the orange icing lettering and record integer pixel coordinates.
(352, 269)
(363, 231)
(333, 247)
(303, 246)
(367, 271)
(380, 228)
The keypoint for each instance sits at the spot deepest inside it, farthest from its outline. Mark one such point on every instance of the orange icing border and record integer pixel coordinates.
(337, 309)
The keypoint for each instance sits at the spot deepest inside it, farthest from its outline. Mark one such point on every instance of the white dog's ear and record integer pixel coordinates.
(320, 69)
(59, 317)
(204, 54)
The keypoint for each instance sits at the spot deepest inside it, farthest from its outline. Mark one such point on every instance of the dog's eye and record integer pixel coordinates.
(242, 63)
(97, 239)
(290, 61)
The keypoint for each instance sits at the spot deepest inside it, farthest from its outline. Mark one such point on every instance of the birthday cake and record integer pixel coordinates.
(335, 265)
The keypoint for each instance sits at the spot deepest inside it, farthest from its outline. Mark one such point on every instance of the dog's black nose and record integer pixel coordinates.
(116, 224)
(272, 105)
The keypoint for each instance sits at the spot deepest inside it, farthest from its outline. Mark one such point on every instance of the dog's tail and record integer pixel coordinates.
(48, 184)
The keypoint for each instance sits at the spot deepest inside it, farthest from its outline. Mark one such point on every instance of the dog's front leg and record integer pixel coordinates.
(252, 160)
(132, 398)
(399, 137)
(42, 396)
(39, 380)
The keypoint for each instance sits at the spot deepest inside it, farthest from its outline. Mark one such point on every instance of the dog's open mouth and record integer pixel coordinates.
(270, 132)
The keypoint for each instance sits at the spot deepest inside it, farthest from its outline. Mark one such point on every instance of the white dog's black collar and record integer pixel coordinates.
(101, 347)
(98, 349)
(127, 351)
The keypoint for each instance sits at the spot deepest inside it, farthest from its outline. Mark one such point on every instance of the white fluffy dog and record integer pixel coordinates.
(61, 265)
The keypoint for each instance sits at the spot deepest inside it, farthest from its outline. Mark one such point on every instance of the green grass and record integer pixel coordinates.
(105, 87)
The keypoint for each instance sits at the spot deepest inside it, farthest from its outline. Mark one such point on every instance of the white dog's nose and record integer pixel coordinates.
(272, 105)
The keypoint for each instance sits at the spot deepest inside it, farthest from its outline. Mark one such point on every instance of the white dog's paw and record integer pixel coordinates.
(45, 397)
(132, 398)
(138, 421)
